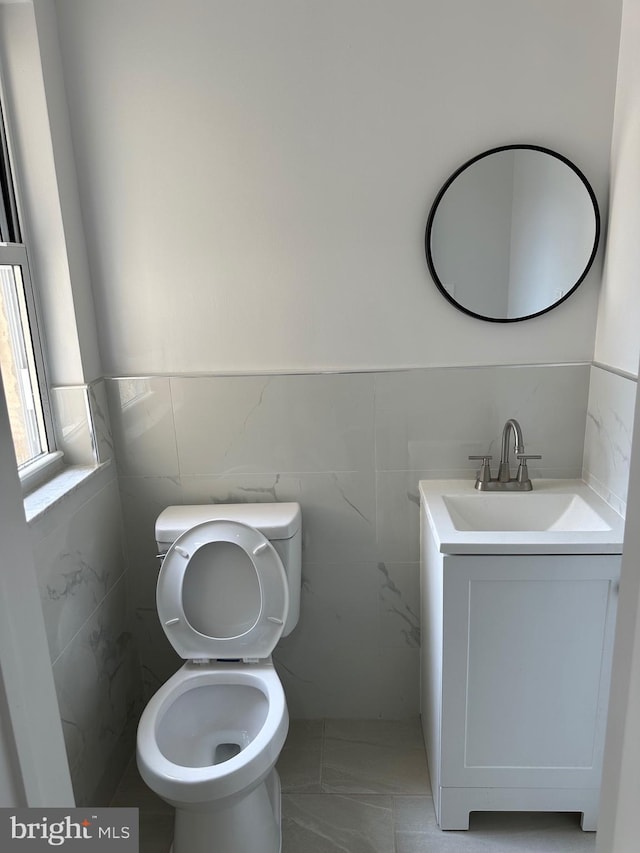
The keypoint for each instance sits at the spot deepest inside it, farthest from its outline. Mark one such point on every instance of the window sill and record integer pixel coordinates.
(45, 497)
(40, 471)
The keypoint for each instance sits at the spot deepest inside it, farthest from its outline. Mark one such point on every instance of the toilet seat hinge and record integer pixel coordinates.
(250, 660)
(200, 660)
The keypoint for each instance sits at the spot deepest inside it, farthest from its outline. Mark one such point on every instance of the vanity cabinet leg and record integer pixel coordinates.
(454, 814)
(589, 820)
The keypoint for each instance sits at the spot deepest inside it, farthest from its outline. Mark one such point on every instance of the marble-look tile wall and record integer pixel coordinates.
(351, 449)
(607, 445)
(81, 420)
(79, 557)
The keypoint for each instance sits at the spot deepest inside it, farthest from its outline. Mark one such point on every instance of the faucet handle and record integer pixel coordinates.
(484, 474)
(523, 472)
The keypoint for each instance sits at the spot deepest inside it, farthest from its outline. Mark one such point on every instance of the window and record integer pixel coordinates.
(20, 351)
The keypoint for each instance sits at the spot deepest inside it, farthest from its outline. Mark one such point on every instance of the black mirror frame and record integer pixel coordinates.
(444, 188)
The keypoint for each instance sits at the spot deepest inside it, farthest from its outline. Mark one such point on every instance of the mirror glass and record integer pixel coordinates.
(512, 233)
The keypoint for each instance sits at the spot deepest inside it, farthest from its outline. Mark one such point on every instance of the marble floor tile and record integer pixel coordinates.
(299, 764)
(413, 814)
(304, 733)
(374, 757)
(400, 733)
(334, 823)
(156, 832)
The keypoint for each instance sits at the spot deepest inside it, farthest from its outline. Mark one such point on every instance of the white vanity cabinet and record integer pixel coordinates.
(515, 669)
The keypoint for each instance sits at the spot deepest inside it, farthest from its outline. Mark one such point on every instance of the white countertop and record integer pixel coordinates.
(452, 540)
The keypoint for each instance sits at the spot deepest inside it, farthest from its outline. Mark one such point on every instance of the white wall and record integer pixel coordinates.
(617, 339)
(255, 177)
(618, 345)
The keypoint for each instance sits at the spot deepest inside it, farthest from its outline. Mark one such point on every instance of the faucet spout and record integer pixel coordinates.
(512, 425)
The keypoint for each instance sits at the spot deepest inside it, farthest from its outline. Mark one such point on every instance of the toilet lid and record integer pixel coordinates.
(222, 593)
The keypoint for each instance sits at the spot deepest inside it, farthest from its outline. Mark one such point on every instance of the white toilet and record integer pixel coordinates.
(208, 741)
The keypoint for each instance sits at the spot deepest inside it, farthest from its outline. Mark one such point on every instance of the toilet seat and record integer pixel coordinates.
(222, 593)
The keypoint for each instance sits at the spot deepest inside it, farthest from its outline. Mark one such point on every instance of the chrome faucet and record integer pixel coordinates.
(504, 481)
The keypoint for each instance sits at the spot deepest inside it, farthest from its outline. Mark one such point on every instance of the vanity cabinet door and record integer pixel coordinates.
(527, 647)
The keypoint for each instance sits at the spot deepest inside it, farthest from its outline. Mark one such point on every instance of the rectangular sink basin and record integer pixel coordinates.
(557, 517)
(523, 511)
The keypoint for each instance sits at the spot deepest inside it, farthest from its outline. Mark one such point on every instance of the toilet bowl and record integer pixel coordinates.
(207, 744)
(209, 738)
(212, 732)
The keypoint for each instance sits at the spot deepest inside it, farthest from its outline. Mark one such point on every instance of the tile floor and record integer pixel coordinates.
(361, 786)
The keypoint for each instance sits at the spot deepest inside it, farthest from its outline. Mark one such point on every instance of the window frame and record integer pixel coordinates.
(40, 467)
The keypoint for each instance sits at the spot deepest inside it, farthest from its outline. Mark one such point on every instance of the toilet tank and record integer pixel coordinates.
(280, 523)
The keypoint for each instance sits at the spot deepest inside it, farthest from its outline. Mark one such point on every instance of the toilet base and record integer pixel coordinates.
(252, 825)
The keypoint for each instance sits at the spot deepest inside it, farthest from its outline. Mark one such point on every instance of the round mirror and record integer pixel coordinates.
(512, 233)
